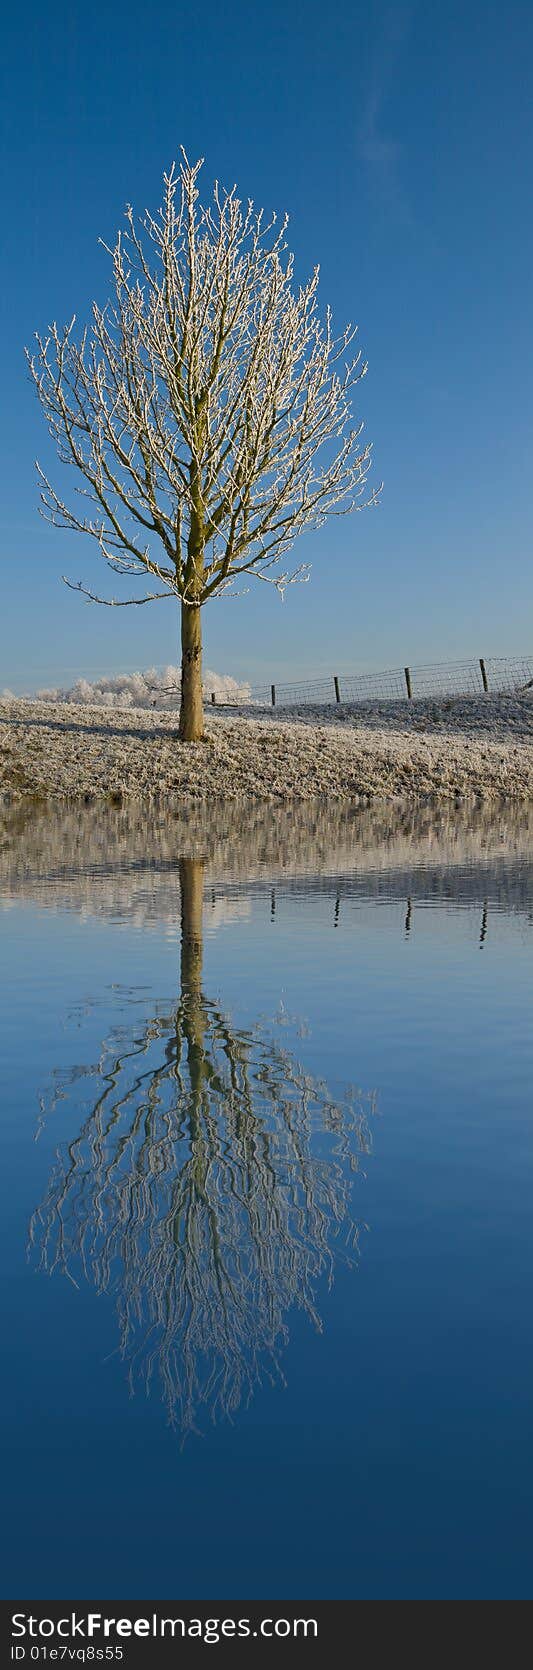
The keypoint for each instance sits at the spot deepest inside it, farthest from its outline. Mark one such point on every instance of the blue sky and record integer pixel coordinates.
(400, 140)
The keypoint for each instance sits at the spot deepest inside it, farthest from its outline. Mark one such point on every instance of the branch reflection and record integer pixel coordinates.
(209, 1189)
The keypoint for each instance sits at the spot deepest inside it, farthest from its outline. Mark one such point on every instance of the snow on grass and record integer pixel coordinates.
(448, 750)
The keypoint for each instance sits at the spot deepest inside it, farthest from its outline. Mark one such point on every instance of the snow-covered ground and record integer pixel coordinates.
(461, 748)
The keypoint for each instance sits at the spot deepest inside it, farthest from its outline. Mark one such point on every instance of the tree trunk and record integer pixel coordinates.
(191, 874)
(192, 1008)
(191, 726)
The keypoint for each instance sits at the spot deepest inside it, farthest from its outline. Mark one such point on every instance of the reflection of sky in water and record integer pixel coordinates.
(378, 1380)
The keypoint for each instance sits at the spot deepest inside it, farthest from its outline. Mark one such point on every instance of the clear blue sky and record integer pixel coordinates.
(400, 140)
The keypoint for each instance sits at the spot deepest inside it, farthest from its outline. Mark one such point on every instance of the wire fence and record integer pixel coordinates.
(486, 676)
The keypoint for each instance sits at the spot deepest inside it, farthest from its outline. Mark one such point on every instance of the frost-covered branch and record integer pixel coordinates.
(112, 602)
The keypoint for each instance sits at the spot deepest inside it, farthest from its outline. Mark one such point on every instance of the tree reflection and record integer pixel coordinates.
(208, 1189)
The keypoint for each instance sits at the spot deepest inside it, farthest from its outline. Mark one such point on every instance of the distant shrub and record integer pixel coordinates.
(148, 689)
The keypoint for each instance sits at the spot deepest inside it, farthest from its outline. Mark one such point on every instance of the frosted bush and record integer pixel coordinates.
(152, 688)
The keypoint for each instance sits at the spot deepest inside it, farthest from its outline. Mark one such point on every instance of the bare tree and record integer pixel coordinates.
(206, 409)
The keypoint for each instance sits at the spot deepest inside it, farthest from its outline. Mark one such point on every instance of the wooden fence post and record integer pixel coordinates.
(273, 694)
(213, 697)
(484, 674)
(407, 672)
(337, 691)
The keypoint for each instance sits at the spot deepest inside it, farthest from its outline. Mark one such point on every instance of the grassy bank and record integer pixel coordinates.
(455, 749)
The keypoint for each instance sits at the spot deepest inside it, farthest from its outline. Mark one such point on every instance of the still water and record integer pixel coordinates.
(267, 1205)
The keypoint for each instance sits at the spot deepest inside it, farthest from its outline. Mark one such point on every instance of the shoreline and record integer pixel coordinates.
(454, 749)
